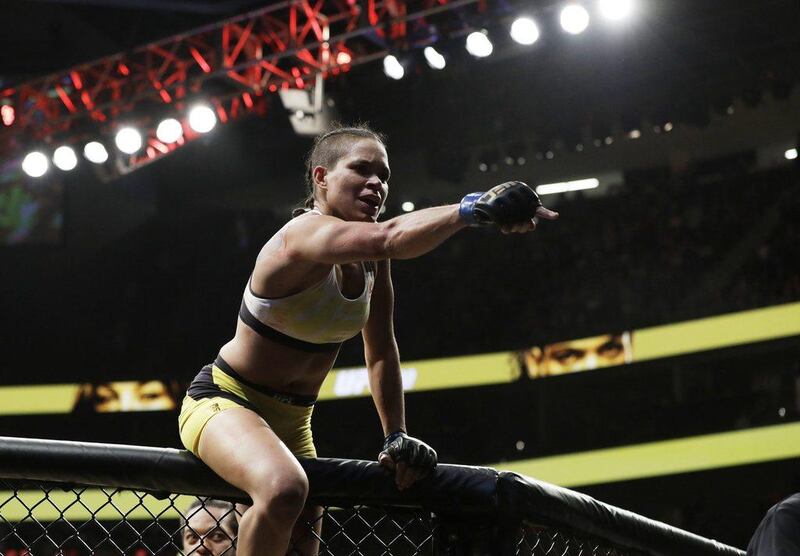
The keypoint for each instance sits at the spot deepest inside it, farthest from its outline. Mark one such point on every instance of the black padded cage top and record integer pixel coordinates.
(460, 509)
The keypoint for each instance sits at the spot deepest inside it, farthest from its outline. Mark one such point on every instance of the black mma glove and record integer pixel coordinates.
(413, 452)
(509, 203)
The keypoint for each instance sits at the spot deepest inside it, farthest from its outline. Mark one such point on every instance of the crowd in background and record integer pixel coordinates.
(161, 300)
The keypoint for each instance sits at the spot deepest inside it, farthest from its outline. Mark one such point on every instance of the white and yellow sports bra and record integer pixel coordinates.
(316, 319)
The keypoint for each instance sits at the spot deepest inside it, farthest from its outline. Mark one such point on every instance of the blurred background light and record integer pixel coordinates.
(393, 68)
(64, 158)
(524, 31)
(202, 119)
(169, 130)
(128, 140)
(574, 19)
(434, 58)
(615, 10)
(479, 45)
(95, 152)
(35, 164)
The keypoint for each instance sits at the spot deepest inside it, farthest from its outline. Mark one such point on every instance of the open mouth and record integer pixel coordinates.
(371, 202)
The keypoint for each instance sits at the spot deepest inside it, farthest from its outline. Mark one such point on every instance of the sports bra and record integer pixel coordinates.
(318, 318)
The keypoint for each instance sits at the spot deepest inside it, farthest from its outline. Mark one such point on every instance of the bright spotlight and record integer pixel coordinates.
(393, 68)
(574, 19)
(64, 158)
(479, 45)
(169, 130)
(35, 164)
(616, 9)
(566, 186)
(408, 206)
(202, 119)
(128, 140)
(95, 152)
(435, 60)
(791, 154)
(524, 30)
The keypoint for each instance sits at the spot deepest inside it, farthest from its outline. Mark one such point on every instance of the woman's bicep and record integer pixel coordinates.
(325, 239)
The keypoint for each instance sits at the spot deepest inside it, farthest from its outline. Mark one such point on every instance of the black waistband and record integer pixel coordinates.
(305, 400)
(268, 332)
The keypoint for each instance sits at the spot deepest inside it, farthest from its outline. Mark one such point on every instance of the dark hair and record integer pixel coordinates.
(328, 148)
(200, 505)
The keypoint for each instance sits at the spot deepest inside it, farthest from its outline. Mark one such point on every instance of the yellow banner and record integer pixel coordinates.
(669, 340)
(453, 372)
(667, 457)
(430, 374)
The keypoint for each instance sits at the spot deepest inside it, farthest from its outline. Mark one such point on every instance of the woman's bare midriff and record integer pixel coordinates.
(268, 363)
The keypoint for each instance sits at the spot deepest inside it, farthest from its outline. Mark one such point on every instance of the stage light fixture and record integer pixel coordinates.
(202, 118)
(434, 58)
(169, 130)
(35, 164)
(128, 140)
(615, 10)
(408, 206)
(479, 45)
(64, 158)
(524, 31)
(574, 19)
(95, 152)
(791, 154)
(392, 67)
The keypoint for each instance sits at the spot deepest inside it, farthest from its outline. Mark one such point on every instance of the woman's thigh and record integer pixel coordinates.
(241, 448)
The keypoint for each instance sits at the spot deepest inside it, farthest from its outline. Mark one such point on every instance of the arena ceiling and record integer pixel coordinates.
(674, 61)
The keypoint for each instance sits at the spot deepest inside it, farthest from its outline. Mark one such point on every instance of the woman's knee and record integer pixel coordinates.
(282, 496)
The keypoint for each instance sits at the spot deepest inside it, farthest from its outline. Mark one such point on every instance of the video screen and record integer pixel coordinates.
(31, 209)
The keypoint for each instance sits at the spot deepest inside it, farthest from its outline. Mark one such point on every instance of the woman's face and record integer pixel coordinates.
(356, 187)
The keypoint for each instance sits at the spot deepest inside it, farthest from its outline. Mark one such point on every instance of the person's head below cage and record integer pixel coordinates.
(321, 279)
(209, 528)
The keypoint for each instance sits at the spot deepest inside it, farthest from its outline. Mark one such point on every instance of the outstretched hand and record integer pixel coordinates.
(410, 458)
(530, 225)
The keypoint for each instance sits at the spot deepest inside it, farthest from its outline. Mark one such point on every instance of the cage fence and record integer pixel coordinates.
(71, 499)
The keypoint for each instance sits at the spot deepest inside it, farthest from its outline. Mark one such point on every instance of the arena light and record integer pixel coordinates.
(7, 114)
(408, 206)
(524, 30)
(434, 58)
(169, 130)
(574, 19)
(791, 154)
(128, 140)
(392, 67)
(479, 45)
(64, 158)
(35, 164)
(615, 10)
(95, 152)
(202, 118)
(565, 186)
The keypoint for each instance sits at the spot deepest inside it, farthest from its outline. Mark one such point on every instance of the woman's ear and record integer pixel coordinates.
(319, 174)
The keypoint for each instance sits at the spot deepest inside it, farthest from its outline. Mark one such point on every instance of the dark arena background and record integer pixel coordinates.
(625, 380)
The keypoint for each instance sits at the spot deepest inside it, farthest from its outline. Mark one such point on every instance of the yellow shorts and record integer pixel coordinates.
(218, 387)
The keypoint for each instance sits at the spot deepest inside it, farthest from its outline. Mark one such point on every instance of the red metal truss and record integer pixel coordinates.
(284, 45)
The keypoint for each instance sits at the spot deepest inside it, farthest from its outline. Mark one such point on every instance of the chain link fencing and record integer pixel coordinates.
(38, 519)
(69, 499)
